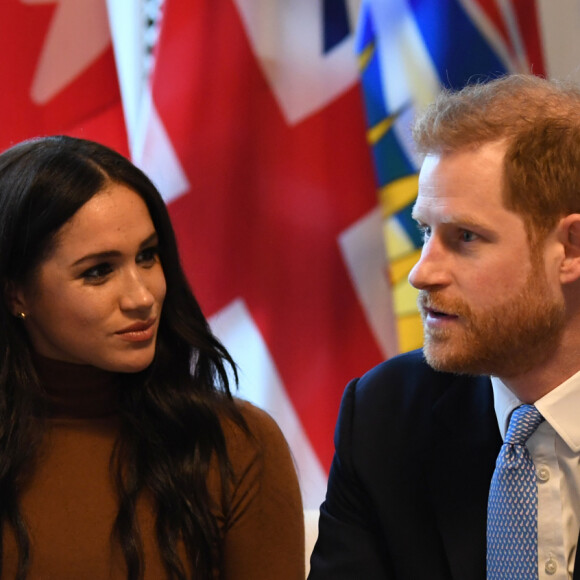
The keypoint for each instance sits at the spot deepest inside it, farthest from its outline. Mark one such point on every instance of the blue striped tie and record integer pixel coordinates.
(512, 510)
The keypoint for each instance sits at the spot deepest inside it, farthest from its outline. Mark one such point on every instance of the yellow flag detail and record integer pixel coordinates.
(398, 194)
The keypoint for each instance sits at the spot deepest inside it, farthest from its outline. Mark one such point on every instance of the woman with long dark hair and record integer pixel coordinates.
(122, 451)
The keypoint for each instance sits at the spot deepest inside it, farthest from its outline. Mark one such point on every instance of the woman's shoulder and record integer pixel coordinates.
(257, 433)
(260, 422)
(263, 518)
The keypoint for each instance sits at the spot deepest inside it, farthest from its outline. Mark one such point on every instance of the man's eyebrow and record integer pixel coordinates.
(462, 221)
(414, 213)
(109, 254)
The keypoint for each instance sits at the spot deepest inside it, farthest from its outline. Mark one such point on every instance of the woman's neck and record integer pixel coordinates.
(77, 391)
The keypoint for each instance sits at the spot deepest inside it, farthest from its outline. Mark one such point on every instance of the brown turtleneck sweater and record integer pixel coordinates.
(70, 504)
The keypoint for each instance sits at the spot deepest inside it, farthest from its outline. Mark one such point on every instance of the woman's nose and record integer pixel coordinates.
(136, 294)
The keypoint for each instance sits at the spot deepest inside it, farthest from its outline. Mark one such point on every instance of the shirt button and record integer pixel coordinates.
(543, 473)
(551, 566)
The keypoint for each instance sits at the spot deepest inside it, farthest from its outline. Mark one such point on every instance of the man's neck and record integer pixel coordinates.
(545, 377)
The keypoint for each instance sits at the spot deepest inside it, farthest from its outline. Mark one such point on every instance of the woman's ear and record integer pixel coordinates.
(569, 237)
(14, 297)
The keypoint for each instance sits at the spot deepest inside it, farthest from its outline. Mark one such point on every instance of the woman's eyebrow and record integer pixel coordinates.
(108, 254)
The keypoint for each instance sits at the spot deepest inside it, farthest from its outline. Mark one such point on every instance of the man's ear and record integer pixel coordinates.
(14, 297)
(568, 231)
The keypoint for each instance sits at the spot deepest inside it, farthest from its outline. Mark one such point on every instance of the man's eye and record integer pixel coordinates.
(425, 232)
(467, 236)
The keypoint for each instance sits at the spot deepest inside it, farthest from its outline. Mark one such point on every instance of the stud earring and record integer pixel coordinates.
(21, 315)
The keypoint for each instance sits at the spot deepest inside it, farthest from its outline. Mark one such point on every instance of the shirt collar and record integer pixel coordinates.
(559, 408)
(504, 402)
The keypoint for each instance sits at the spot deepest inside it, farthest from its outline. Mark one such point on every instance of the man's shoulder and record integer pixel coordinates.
(406, 365)
(408, 380)
(394, 407)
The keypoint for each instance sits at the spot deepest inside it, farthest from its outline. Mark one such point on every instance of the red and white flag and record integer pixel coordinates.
(58, 73)
(255, 136)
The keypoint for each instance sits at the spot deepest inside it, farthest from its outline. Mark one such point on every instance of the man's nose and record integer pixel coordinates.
(432, 269)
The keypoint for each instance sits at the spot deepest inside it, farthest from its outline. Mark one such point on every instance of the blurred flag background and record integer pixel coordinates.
(57, 72)
(278, 133)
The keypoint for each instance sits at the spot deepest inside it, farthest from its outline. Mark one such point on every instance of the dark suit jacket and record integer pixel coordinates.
(408, 486)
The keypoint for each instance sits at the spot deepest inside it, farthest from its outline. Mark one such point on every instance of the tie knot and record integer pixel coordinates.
(523, 422)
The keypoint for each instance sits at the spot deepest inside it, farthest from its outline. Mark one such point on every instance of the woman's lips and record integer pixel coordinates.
(139, 331)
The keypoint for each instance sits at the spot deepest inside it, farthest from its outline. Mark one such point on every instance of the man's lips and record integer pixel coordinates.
(437, 313)
(433, 310)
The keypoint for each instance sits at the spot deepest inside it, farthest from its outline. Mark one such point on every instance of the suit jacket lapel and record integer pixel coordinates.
(465, 443)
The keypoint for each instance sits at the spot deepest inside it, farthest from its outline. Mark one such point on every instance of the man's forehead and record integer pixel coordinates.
(429, 162)
(492, 151)
(457, 173)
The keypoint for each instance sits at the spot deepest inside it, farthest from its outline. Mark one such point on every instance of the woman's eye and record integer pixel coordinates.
(148, 256)
(97, 273)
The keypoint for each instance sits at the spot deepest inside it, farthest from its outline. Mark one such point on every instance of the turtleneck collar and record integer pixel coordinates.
(77, 391)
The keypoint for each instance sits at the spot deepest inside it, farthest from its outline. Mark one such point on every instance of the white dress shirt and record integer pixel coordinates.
(555, 450)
